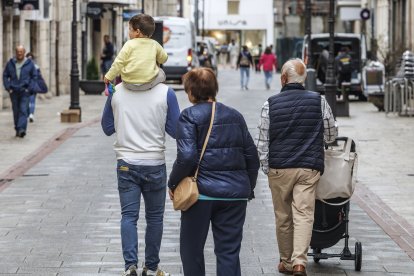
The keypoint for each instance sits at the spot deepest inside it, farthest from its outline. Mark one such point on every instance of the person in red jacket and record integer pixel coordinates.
(268, 61)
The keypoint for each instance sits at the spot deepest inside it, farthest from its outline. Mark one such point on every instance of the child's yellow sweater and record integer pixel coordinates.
(137, 61)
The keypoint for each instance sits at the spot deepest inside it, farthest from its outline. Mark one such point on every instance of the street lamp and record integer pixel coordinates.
(74, 72)
(330, 84)
(311, 74)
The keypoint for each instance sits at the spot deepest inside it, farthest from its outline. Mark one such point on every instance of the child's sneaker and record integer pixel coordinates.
(131, 271)
(158, 272)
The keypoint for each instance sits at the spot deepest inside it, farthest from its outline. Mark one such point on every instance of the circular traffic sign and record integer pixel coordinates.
(365, 14)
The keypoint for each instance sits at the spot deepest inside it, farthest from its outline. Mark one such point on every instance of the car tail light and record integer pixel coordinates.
(189, 56)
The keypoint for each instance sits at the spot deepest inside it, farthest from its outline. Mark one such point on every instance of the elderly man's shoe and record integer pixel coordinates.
(299, 270)
(282, 269)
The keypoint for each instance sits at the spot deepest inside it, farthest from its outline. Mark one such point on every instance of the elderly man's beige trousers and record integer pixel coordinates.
(293, 194)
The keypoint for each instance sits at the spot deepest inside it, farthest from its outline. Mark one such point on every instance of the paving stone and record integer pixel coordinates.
(71, 216)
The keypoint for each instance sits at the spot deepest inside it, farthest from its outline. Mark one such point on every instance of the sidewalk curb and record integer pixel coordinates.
(395, 226)
(40, 153)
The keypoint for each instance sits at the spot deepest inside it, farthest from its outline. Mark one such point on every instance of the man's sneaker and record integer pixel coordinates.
(31, 118)
(158, 272)
(131, 271)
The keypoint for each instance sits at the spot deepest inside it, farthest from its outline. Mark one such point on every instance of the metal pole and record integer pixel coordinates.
(311, 73)
(330, 85)
(373, 42)
(142, 6)
(308, 29)
(202, 26)
(196, 16)
(74, 72)
(181, 9)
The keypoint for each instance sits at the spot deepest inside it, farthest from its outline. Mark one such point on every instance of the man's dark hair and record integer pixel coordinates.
(202, 83)
(245, 48)
(143, 22)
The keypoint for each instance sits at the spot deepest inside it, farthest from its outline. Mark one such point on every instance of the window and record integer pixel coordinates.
(233, 6)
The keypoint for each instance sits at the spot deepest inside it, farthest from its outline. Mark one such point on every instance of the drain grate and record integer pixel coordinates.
(35, 174)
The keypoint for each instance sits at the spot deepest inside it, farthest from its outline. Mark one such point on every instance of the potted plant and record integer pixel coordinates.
(92, 85)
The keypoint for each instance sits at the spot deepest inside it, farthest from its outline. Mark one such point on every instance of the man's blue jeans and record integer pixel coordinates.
(244, 76)
(151, 182)
(20, 106)
(32, 103)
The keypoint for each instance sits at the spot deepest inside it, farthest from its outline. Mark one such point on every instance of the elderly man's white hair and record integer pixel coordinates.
(295, 71)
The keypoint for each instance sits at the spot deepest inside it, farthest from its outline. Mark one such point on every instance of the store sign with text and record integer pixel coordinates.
(29, 5)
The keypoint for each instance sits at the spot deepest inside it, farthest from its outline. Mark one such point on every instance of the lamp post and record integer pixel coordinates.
(202, 26)
(196, 17)
(330, 84)
(74, 72)
(311, 73)
(142, 6)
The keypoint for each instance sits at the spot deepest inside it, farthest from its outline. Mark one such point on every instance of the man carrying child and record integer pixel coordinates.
(140, 112)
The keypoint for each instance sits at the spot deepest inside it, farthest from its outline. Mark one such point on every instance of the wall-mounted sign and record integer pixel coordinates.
(29, 5)
(128, 14)
(94, 10)
(226, 22)
(365, 14)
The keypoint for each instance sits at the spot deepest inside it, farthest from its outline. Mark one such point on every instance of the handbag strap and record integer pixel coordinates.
(348, 149)
(213, 111)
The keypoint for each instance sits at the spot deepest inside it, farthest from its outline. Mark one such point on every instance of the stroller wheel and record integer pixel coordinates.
(358, 256)
(316, 251)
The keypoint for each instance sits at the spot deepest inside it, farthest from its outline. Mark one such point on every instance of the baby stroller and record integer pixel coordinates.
(331, 225)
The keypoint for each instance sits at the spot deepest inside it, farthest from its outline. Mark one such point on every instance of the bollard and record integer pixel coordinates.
(342, 105)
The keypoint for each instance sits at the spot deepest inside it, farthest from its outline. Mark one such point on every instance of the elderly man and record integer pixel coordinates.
(19, 79)
(294, 125)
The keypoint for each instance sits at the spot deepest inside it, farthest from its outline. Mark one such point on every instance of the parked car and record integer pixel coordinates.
(179, 41)
(357, 50)
(207, 54)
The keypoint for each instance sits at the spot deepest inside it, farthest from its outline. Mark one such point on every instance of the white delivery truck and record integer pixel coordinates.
(179, 39)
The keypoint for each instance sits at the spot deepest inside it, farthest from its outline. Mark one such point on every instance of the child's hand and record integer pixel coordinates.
(106, 81)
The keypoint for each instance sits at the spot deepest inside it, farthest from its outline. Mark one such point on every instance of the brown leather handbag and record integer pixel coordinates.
(186, 193)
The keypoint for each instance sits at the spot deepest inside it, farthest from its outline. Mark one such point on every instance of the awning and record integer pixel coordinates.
(114, 2)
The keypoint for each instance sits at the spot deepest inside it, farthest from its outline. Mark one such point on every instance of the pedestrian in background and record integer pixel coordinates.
(269, 62)
(19, 79)
(39, 87)
(244, 62)
(107, 55)
(234, 51)
(257, 57)
(140, 115)
(226, 177)
(224, 54)
(294, 125)
(343, 66)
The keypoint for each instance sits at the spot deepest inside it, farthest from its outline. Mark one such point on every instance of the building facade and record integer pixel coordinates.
(241, 20)
(46, 32)
(390, 29)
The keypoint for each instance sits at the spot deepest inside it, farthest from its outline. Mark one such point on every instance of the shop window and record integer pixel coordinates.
(233, 6)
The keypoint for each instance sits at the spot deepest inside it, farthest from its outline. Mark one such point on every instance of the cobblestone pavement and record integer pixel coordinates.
(62, 216)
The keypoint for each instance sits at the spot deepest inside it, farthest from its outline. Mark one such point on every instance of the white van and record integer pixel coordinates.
(179, 38)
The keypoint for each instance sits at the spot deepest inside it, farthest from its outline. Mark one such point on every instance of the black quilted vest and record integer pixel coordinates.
(296, 129)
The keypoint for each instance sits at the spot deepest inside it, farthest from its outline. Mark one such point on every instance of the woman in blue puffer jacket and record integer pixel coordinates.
(226, 177)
